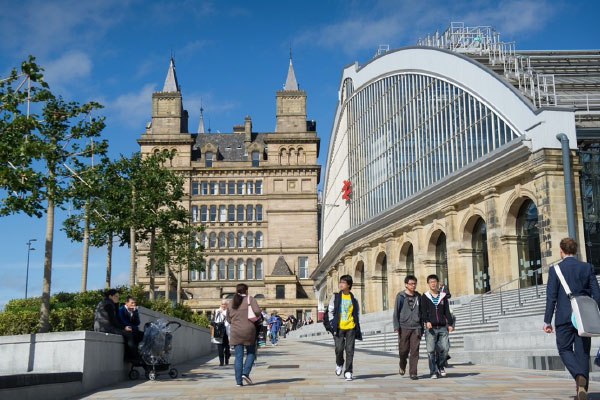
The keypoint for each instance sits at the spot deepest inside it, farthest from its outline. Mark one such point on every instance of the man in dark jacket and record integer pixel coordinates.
(129, 316)
(408, 325)
(106, 320)
(573, 349)
(435, 313)
(342, 321)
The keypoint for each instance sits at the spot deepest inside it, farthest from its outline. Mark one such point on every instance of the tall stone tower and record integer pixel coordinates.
(291, 105)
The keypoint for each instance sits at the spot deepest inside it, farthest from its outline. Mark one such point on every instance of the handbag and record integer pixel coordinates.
(251, 316)
(586, 315)
(219, 329)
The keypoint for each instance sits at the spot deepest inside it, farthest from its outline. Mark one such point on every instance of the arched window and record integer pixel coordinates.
(213, 213)
(249, 239)
(194, 213)
(203, 239)
(231, 213)
(528, 245)
(410, 261)
(259, 216)
(301, 156)
(230, 240)
(240, 212)
(240, 269)
(249, 187)
(193, 275)
(360, 269)
(230, 269)
(212, 270)
(249, 212)
(222, 214)
(241, 239)
(259, 239)
(203, 275)
(259, 269)
(481, 278)
(208, 159)
(221, 269)
(203, 213)
(283, 157)
(212, 240)
(384, 283)
(249, 269)
(441, 259)
(222, 239)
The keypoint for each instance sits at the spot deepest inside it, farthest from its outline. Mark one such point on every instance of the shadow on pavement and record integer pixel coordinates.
(278, 381)
(373, 376)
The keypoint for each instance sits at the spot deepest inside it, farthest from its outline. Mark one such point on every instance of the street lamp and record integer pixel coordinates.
(29, 249)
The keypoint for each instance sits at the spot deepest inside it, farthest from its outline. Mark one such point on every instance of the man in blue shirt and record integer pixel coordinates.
(275, 324)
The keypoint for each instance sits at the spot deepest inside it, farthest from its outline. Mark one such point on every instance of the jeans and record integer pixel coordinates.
(408, 342)
(247, 366)
(273, 334)
(345, 341)
(437, 337)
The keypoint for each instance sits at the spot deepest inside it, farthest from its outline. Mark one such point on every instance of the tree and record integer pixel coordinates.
(35, 152)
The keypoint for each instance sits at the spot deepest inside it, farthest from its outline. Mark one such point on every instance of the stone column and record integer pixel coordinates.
(496, 255)
(457, 273)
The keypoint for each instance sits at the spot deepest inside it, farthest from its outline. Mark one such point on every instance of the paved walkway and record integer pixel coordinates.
(296, 369)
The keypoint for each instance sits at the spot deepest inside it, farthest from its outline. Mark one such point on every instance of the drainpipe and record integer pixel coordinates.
(566, 156)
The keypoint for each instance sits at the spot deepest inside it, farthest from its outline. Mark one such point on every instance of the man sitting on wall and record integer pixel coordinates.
(129, 316)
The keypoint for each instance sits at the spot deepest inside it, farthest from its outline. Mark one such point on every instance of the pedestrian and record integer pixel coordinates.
(221, 333)
(274, 328)
(129, 315)
(408, 325)
(435, 313)
(242, 332)
(445, 289)
(574, 350)
(342, 320)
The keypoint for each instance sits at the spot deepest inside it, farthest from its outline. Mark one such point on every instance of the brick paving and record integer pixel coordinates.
(305, 370)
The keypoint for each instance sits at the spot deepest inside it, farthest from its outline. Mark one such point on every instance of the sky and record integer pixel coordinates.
(231, 57)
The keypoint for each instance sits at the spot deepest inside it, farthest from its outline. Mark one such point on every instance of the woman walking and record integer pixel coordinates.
(243, 332)
(221, 333)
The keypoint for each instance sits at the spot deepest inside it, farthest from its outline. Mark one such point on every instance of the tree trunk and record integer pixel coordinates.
(179, 285)
(151, 272)
(132, 244)
(167, 281)
(109, 247)
(45, 305)
(86, 245)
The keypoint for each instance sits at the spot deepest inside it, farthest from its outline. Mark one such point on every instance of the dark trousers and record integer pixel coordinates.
(344, 341)
(573, 350)
(408, 343)
(132, 339)
(224, 350)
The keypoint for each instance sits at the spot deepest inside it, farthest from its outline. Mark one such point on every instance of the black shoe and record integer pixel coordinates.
(227, 360)
(221, 364)
(402, 371)
(414, 377)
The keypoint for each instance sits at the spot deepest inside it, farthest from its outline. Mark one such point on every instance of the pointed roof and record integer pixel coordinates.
(201, 124)
(171, 84)
(281, 268)
(290, 82)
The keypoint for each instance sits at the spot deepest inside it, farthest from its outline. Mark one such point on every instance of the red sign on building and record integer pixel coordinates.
(346, 190)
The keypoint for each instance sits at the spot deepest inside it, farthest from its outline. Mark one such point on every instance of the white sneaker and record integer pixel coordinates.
(338, 369)
(443, 372)
(434, 376)
(348, 376)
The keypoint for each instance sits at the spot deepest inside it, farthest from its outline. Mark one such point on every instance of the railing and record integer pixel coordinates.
(584, 101)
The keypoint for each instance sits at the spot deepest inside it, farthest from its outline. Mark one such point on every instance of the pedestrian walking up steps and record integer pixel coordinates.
(471, 319)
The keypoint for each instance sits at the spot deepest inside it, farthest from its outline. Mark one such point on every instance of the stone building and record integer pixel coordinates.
(256, 195)
(452, 155)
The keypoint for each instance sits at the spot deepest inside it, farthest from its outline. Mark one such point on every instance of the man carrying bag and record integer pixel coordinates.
(580, 280)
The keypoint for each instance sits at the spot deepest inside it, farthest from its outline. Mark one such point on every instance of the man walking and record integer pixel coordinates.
(435, 313)
(573, 349)
(342, 321)
(274, 323)
(408, 325)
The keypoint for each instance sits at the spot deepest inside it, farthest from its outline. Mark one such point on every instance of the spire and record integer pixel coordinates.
(290, 82)
(201, 124)
(171, 84)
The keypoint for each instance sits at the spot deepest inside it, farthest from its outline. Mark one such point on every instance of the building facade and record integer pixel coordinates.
(256, 195)
(451, 151)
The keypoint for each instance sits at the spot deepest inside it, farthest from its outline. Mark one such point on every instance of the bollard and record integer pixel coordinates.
(519, 291)
(501, 307)
(482, 313)
(536, 283)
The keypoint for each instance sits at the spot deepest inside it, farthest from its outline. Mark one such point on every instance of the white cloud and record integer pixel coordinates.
(134, 108)
(68, 68)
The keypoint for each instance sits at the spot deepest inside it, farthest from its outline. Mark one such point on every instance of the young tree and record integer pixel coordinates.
(35, 152)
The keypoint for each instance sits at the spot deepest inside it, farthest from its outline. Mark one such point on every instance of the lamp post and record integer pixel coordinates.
(29, 249)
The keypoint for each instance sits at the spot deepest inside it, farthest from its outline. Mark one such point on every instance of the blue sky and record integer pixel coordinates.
(232, 56)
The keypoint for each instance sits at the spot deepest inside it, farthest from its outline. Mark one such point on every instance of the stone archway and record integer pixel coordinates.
(359, 285)
(381, 277)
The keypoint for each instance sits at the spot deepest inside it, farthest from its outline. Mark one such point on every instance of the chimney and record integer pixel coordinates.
(248, 129)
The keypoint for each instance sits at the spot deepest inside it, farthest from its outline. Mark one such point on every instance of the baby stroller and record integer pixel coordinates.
(156, 349)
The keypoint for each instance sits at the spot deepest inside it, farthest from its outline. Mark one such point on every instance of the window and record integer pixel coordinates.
(230, 240)
(249, 269)
(241, 239)
(208, 314)
(258, 187)
(259, 269)
(204, 188)
(249, 239)
(240, 187)
(212, 240)
(221, 269)
(259, 239)
(222, 239)
(481, 278)
(249, 212)
(410, 261)
(230, 269)
(193, 275)
(249, 187)
(194, 188)
(202, 275)
(231, 213)
(384, 283)
(213, 213)
(255, 158)
(231, 187)
(441, 259)
(208, 159)
(194, 213)
(203, 213)
(259, 216)
(222, 213)
(240, 212)
(203, 239)
(213, 187)
(240, 269)
(222, 187)
(528, 245)
(280, 291)
(303, 267)
(212, 270)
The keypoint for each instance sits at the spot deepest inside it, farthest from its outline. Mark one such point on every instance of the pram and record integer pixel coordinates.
(156, 349)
